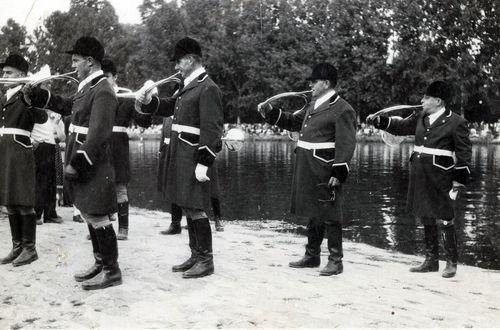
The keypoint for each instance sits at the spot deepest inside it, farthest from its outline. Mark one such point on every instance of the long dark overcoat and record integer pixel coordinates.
(94, 108)
(334, 121)
(17, 164)
(431, 175)
(120, 154)
(197, 126)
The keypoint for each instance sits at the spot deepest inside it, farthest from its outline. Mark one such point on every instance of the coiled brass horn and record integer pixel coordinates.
(175, 78)
(40, 77)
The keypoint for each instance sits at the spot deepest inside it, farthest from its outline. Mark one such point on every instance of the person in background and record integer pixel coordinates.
(120, 146)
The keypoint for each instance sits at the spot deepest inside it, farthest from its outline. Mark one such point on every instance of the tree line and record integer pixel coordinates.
(386, 51)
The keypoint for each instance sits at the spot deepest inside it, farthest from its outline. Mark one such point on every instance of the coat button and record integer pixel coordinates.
(425, 137)
(305, 125)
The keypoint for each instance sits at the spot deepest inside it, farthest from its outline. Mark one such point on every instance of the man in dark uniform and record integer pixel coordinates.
(439, 165)
(120, 146)
(88, 157)
(194, 141)
(17, 164)
(325, 147)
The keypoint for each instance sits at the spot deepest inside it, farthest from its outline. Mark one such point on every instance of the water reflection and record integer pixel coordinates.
(255, 184)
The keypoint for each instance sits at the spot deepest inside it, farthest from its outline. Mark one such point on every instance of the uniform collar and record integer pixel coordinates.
(436, 115)
(194, 75)
(10, 92)
(325, 97)
(89, 79)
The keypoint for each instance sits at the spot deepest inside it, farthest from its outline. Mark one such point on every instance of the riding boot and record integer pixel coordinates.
(110, 274)
(17, 234)
(175, 224)
(28, 254)
(192, 245)
(97, 266)
(431, 262)
(122, 221)
(205, 261)
(450, 248)
(315, 234)
(334, 236)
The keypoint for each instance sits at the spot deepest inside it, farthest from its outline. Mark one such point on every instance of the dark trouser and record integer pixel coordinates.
(45, 182)
(315, 234)
(216, 206)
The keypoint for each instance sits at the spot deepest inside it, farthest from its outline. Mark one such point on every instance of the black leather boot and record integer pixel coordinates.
(175, 224)
(122, 221)
(334, 236)
(194, 253)
(110, 274)
(431, 262)
(315, 234)
(16, 228)
(97, 266)
(450, 248)
(28, 254)
(205, 262)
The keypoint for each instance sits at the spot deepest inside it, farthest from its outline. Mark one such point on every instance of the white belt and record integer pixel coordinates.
(184, 128)
(120, 129)
(433, 151)
(78, 129)
(166, 140)
(317, 145)
(14, 131)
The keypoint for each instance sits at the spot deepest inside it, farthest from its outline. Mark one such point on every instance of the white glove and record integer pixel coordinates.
(143, 96)
(201, 173)
(454, 190)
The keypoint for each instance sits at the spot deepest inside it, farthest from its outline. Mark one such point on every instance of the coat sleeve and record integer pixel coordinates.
(42, 98)
(398, 126)
(211, 125)
(163, 107)
(102, 117)
(286, 120)
(345, 143)
(140, 118)
(463, 152)
(38, 116)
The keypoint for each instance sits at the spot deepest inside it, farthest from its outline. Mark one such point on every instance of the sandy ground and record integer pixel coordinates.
(252, 287)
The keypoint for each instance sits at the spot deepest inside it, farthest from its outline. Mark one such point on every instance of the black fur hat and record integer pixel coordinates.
(184, 47)
(439, 89)
(324, 71)
(107, 65)
(16, 61)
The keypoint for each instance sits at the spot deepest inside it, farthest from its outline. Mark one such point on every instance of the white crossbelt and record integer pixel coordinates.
(166, 140)
(78, 129)
(433, 151)
(318, 145)
(119, 129)
(184, 128)
(14, 131)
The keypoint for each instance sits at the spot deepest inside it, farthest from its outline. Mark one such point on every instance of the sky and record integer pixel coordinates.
(31, 13)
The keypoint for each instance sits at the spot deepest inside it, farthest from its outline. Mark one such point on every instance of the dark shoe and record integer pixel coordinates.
(122, 234)
(110, 274)
(451, 251)
(205, 262)
(78, 218)
(97, 267)
(306, 262)
(15, 223)
(28, 254)
(332, 268)
(218, 224)
(431, 262)
(173, 229)
(57, 219)
(192, 245)
(450, 270)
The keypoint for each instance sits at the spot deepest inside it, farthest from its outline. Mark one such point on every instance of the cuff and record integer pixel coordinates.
(152, 106)
(81, 163)
(340, 171)
(205, 156)
(273, 116)
(461, 174)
